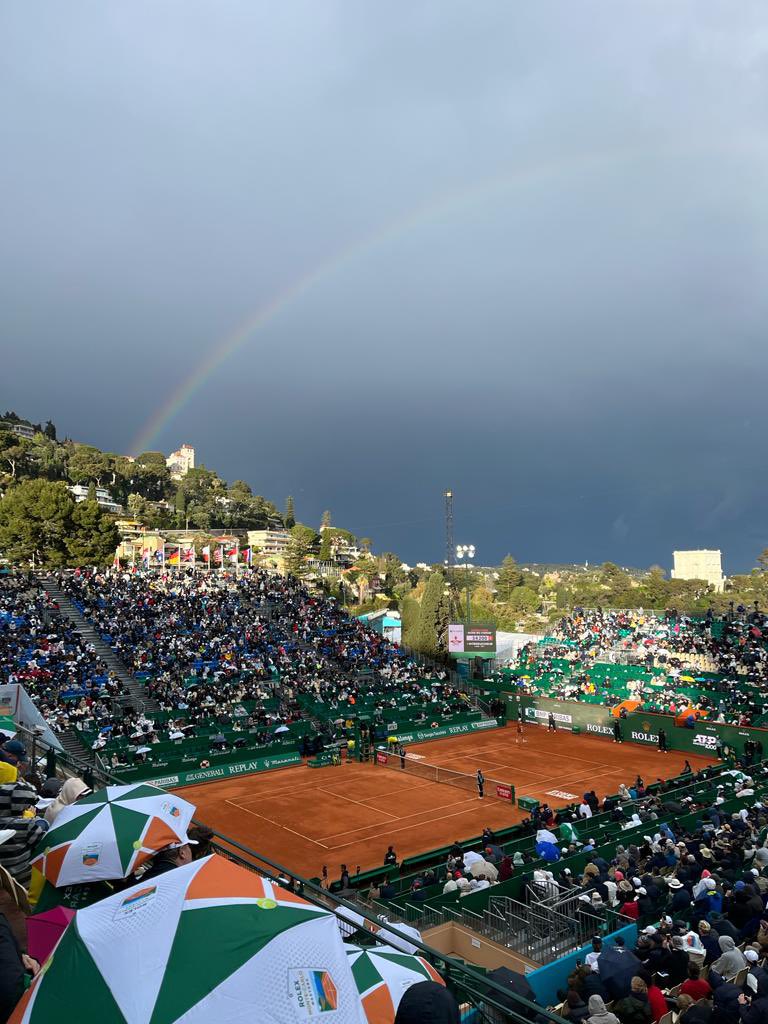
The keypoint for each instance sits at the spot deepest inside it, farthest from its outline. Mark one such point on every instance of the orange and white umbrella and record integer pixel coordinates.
(209, 941)
(110, 833)
(382, 976)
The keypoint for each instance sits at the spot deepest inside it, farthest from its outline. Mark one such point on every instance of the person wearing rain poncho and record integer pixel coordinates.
(544, 883)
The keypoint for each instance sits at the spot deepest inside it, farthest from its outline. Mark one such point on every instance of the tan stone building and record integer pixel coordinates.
(699, 565)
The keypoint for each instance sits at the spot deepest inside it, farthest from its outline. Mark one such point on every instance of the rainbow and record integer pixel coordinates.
(429, 210)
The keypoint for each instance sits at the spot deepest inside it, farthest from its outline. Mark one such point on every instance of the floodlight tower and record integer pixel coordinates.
(448, 498)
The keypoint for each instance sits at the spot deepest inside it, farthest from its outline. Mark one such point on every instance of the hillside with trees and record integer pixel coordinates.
(42, 525)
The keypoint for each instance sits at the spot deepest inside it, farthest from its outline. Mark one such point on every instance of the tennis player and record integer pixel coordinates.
(480, 778)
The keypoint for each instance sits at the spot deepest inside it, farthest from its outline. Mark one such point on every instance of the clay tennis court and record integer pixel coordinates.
(306, 817)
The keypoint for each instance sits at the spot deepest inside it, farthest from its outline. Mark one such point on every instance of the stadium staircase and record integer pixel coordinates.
(135, 697)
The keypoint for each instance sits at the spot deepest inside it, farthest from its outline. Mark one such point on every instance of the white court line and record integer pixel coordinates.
(319, 786)
(277, 823)
(506, 748)
(404, 817)
(378, 810)
(416, 824)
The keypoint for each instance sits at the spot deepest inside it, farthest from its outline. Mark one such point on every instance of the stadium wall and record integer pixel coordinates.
(637, 727)
(223, 771)
(422, 735)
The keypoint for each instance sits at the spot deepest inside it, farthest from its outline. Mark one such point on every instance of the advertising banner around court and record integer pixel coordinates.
(223, 771)
(504, 792)
(420, 735)
(638, 727)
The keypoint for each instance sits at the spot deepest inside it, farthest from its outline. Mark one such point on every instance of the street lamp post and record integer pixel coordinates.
(466, 551)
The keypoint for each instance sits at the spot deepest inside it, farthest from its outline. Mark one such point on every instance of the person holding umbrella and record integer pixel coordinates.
(173, 856)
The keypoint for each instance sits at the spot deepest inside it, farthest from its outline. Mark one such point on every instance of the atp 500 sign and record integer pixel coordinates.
(703, 739)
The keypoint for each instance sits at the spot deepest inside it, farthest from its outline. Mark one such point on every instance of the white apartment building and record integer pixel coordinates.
(80, 492)
(20, 429)
(181, 461)
(270, 543)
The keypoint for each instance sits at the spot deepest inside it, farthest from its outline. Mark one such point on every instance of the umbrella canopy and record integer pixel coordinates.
(45, 930)
(209, 941)
(617, 968)
(110, 833)
(517, 985)
(7, 725)
(548, 851)
(484, 867)
(383, 976)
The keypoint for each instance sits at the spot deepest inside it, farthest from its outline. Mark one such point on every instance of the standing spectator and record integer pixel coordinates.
(17, 815)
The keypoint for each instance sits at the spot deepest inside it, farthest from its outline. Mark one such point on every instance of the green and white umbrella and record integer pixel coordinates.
(206, 943)
(382, 976)
(110, 833)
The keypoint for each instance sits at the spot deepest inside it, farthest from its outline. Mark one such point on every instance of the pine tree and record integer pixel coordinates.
(93, 537)
(35, 522)
(289, 518)
(325, 522)
(326, 550)
(510, 577)
(433, 616)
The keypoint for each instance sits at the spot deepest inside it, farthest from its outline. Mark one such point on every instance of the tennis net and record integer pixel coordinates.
(413, 765)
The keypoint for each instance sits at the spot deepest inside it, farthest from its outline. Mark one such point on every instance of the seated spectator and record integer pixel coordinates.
(598, 1014)
(634, 1008)
(695, 986)
(170, 857)
(691, 1013)
(731, 960)
(72, 791)
(574, 1008)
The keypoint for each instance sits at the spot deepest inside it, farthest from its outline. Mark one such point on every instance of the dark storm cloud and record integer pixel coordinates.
(553, 296)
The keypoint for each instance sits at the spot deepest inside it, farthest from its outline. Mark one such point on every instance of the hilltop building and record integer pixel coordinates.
(270, 546)
(180, 462)
(20, 429)
(699, 565)
(80, 492)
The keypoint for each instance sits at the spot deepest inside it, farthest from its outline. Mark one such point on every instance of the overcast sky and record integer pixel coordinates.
(520, 250)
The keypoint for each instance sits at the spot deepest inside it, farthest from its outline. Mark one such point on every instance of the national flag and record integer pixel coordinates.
(172, 554)
(159, 555)
(230, 552)
(217, 554)
(207, 553)
(247, 556)
(188, 554)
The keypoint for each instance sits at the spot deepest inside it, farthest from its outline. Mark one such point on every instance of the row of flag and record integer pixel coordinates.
(220, 553)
